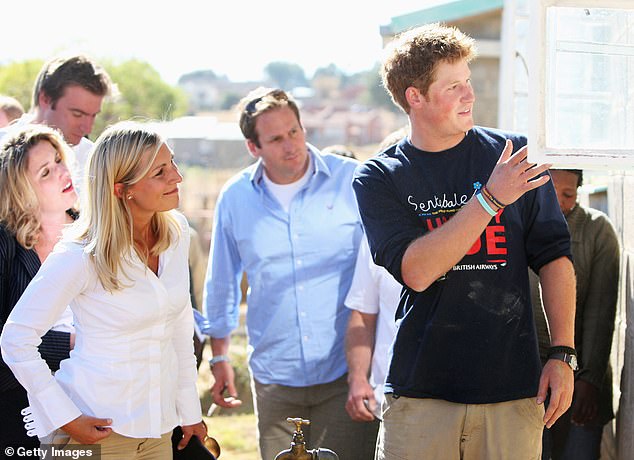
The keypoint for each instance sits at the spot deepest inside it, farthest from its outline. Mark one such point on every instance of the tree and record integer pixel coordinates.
(376, 95)
(142, 94)
(331, 70)
(327, 81)
(198, 76)
(229, 100)
(286, 75)
(17, 80)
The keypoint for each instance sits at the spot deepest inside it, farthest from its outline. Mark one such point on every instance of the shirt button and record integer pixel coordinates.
(305, 338)
(300, 287)
(303, 313)
(299, 262)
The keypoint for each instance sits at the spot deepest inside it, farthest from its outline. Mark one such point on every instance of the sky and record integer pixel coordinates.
(236, 38)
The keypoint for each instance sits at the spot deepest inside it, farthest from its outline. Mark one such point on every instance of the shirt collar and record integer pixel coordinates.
(316, 158)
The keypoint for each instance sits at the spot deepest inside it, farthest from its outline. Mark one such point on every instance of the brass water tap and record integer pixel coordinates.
(298, 450)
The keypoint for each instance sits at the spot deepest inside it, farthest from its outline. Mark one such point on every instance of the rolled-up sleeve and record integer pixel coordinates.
(389, 226)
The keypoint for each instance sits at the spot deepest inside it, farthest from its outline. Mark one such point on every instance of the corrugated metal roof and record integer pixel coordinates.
(444, 11)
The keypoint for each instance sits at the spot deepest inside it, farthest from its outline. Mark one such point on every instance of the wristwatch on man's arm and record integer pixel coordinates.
(566, 354)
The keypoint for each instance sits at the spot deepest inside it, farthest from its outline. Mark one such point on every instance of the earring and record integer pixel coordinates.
(129, 197)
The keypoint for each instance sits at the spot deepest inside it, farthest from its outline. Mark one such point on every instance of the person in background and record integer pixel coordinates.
(36, 202)
(596, 258)
(67, 95)
(457, 214)
(197, 271)
(394, 137)
(123, 269)
(339, 149)
(291, 222)
(373, 297)
(10, 109)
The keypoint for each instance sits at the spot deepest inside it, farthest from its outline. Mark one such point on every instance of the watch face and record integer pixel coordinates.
(569, 359)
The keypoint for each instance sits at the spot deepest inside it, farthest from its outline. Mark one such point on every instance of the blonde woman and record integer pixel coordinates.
(36, 199)
(122, 267)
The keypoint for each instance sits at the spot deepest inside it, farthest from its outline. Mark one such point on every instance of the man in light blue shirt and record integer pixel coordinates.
(291, 222)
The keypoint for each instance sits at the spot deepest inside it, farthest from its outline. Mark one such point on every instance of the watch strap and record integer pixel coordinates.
(562, 349)
(569, 359)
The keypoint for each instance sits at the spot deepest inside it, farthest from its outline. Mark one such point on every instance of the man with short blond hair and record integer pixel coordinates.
(456, 213)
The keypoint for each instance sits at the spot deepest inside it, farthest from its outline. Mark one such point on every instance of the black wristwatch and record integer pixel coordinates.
(566, 354)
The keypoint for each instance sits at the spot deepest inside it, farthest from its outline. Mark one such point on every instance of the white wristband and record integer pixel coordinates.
(218, 359)
(484, 204)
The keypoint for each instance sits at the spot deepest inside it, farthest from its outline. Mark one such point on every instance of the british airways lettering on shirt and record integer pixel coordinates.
(492, 241)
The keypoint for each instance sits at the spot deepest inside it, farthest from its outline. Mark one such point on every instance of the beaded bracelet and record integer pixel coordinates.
(491, 198)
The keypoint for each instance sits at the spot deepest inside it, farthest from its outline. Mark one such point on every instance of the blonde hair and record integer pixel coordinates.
(412, 57)
(19, 206)
(105, 223)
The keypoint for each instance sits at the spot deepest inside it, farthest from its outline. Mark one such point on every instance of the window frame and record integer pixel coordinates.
(538, 53)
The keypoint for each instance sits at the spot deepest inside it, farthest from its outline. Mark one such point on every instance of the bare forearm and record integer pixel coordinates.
(220, 346)
(559, 296)
(359, 344)
(432, 255)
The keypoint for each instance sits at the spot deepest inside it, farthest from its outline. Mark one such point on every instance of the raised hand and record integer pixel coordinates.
(513, 175)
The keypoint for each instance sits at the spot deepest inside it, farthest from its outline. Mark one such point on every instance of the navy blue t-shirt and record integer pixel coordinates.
(469, 337)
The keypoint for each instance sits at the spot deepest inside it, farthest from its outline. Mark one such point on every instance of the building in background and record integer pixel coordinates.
(206, 141)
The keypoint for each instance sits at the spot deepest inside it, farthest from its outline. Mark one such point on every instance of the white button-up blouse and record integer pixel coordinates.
(133, 360)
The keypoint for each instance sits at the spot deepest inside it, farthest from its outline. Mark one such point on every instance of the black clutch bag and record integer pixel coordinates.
(195, 449)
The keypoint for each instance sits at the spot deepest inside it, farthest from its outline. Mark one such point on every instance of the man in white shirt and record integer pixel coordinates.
(373, 298)
(67, 95)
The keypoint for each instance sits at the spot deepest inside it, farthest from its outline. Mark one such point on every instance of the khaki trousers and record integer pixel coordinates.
(118, 447)
(433, 429)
